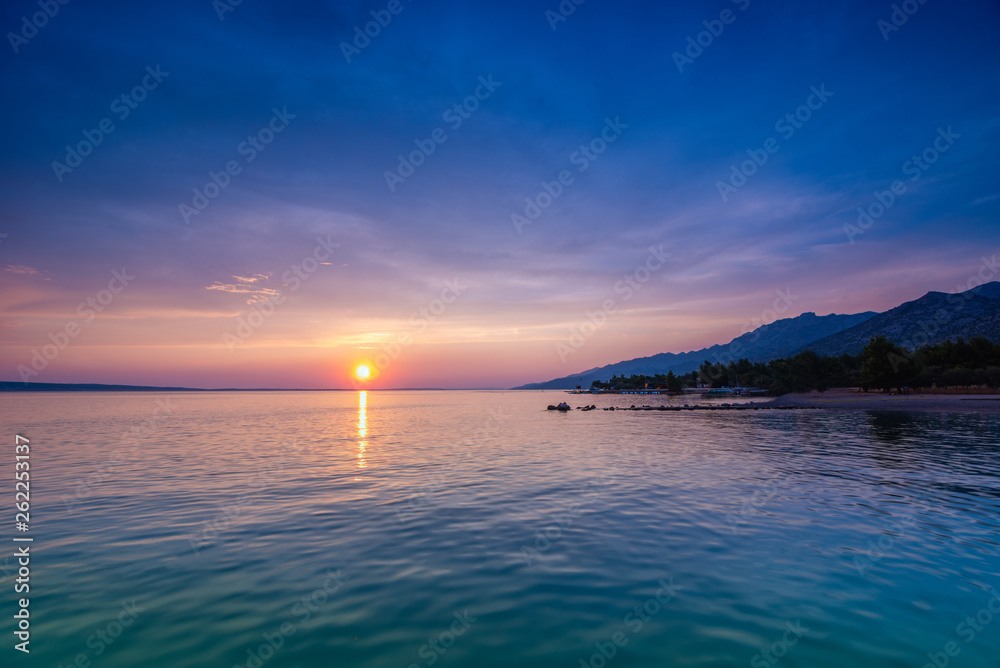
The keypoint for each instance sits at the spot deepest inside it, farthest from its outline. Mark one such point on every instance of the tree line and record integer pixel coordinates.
(882, 365)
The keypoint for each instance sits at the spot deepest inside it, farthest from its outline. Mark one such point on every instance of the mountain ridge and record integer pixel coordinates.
(933, 318)
(975, 312)
(767, 342)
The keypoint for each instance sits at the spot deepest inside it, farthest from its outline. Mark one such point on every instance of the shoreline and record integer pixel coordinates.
(852, 400)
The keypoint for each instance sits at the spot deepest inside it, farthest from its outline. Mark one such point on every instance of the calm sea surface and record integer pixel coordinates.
(478, 529)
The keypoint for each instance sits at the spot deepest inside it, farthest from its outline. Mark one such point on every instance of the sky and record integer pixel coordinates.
(471, 195)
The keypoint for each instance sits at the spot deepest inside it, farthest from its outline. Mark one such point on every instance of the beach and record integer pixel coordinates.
(849, 399)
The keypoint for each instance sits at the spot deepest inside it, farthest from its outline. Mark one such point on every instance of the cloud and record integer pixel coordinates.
(22, 270)
(253, 286)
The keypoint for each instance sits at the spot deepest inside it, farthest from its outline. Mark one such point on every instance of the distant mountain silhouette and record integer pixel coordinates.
(778, 339)
(13, 386)
(935, 317)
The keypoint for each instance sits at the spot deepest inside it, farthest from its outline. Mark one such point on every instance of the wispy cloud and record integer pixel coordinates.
(254, 286)
(22, 270)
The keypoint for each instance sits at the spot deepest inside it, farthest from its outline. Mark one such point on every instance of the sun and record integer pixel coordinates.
(363, 372)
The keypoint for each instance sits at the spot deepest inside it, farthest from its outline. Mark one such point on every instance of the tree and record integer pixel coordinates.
(885, 365)
(674, 383)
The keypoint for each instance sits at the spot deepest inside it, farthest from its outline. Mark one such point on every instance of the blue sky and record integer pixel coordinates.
(324, 174)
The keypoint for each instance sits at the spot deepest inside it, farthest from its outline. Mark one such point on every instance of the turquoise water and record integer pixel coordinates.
(476, 528)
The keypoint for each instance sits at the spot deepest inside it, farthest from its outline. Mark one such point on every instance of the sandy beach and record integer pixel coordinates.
(853, 399)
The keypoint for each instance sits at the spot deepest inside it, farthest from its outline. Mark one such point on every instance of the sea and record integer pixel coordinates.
(477, 528)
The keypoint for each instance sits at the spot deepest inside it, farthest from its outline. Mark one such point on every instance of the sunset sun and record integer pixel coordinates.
(363, 372)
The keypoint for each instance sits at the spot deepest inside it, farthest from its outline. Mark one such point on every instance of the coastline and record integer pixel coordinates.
(850, 399)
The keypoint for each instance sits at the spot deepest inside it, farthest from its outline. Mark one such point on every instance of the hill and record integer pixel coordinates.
(12, 386)
(934, 318)
(778, 339)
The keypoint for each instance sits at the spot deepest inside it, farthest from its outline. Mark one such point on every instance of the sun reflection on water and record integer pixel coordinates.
(362, 428)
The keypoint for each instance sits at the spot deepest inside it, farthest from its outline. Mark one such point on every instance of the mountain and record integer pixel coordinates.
(778, 339)
(13, 386)
(935, 317)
